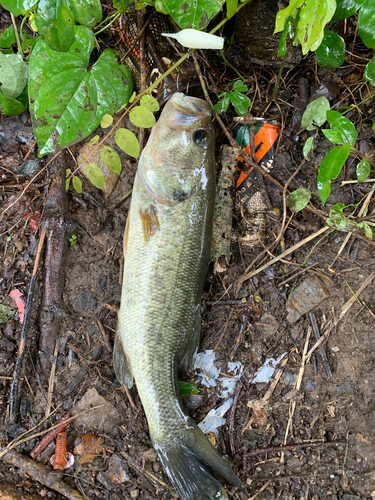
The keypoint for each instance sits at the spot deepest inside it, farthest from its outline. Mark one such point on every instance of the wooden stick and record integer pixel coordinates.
(345, 308)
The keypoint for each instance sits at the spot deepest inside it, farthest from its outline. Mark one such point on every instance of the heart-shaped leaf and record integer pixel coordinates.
(241, 102)
(299, 199)
(67, 101)
(18, 7)
(11, 107)
(315, 113)
(148, 101)
(142, 117)
(346, 8)
(13, 75)
(331, 52)
(363, 170)
(366, 23)
(194, 13)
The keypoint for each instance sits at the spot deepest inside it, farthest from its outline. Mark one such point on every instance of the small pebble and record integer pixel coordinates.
(336, 348)
(134, 493)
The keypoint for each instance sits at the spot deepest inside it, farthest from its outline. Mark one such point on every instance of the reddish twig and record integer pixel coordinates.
(50, 436)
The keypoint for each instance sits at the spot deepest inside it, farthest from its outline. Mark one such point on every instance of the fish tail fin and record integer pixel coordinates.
(190, 462)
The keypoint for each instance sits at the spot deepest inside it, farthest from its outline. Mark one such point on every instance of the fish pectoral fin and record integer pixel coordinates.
(190, 462)
(126, 235)
(121, 362)
(192, 345)
(150, 221)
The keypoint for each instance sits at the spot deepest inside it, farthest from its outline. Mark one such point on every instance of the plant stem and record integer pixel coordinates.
(352, 106)
(116, 16)
(229, 64)
(16, 35)
(218, 26)
(361, 155)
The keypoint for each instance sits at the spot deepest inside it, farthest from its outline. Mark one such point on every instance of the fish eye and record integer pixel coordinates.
(200, 137)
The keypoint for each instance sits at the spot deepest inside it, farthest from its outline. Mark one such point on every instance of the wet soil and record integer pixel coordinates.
(336, 414)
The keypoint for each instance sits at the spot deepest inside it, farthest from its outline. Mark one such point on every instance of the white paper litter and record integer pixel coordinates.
(266, 371)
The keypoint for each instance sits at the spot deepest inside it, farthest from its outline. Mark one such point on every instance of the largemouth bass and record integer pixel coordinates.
(167, 245)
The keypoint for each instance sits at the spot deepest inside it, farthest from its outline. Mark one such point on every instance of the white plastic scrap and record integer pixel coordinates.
(195, 39)
(209, 375)
(214, 418)
(266, 371)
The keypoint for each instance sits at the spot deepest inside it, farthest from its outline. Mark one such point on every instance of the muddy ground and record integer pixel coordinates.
(330, 420)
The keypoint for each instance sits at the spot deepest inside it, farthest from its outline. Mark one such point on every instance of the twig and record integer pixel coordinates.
(345, 308)
(296, 274)
(131, 401)
(52, 380)
(19, 47)
(284, 254)
(232, 417)
(322, 351)
(50, 436)
(40, 473)
(294, 447)
(13, 398)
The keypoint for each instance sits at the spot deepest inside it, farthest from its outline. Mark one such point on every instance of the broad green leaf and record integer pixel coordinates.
(159, 6)
(315, 113)
(239, 86)
(13, 75)
(366, 23)
(140, 5)
(193, 13)
(330, 168)
(127, 141)
(106, 121)
(339, 221)
(142, 117)
(187, 389)
(346, 8)
(283, 14)
(363, 170)
(298, 200)
(77, 184)
(150, 102)
(315, 14)
(121, 5)
(307, 148)
(369, 73)
(345, 128)
(334, 136)
(332, 116)
(11, 107)
(111, 159)
(55, 23)
(18, 7)
(94, 175)
(288, 29)
(231, 8)
(86, 12)
(7, 37)
(68, 172)
(67, 101)
(222, 106)
(240, 102)
(331, 52)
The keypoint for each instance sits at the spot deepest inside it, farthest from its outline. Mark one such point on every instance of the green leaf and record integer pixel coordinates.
(330, 168)
(55, 23)
(298, 200)
(331, 52)
(231, 8)
(13, 74)
(363, 170)
(18, 7)
(67, 182)
(127, 141)
(11, 107)
(77, 184)
(193, 13)
(187, 389)
(240, 102)
(95, 175)
(86, 12)
(332, 116)
(159, 6)
(315, 14)
(121, 5)
(315, 113)
(239, 86)
(283, 14)
(368, 231)
(28, 44)
(342, 131)
(7, 37)
(142, 117)
(288, 28)
(346, 8)
(366, 23)
(307, 148)
(111, 159)
(339, 221)
(369, 73)
(150, 103)
(106, 121)
(94, 140)
(222, 106)
(67, 101)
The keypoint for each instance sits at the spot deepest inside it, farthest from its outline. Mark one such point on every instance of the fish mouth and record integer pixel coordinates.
(191, 106)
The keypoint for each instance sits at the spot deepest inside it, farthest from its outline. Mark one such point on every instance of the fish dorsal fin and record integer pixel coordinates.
(126, 235)
(121, 362)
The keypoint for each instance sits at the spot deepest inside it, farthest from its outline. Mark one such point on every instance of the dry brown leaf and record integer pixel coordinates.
(88, 446)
